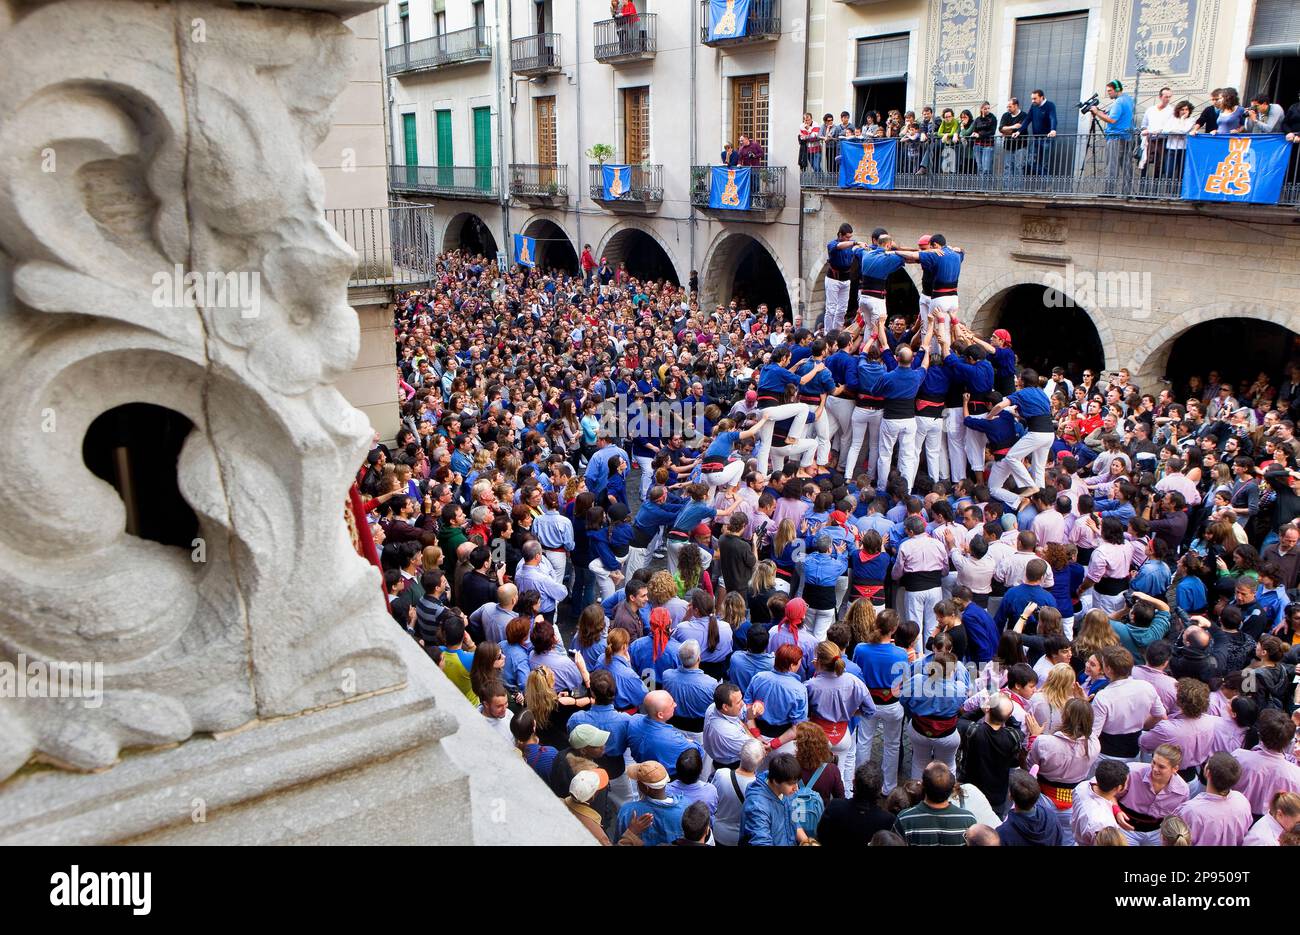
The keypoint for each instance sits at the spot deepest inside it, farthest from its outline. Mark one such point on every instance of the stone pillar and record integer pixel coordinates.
(163, 242)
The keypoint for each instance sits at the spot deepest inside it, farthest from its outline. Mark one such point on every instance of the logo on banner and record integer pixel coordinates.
(730, 194)
(524, 256)
(1232, 176)
(726, 23)
(616, 184)
(867, 173)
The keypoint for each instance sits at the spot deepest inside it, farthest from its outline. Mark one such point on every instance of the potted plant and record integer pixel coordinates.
(601, 152)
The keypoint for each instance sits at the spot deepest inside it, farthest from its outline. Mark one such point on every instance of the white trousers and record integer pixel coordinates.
(900, 433)
(888, 720)
(804, 449)
(1008, 468)
(1035, 446)
(604, 583)
(635, 561)
(818, 622)
(837, 303)
(974, 443)
(559, 561)
(846, 756)
(840, 411)
(869, 441)
(929, 437)
(821, 432)
(796, 411)
(724, 478)
(954, 433)
(872, 310)
(947, 304)
(927, 750)
(918, 606)
(647, 474)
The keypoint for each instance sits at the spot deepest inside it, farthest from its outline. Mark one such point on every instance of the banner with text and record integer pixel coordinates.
(727, 19)
(729, 187)
(1245, 168)
(868, 163)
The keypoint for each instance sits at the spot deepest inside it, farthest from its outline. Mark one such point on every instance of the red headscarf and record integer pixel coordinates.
(660, 624)
(795, 610)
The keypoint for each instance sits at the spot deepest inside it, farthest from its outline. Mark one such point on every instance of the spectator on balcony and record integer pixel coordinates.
(1155, 126)
(1119, 133)
(966, 143)
(950, 137)
(751, 152)
(729, 157)
(1232, 116)
(830, 157)
(871, 128)
(1263, 116)
(894, 124)
(909, 144)
(1180, 124)
(810, 145)
(627, 24)
(929, 139)
(1042, 129)
(1012, 126)
(1209, 117)
(984, 129)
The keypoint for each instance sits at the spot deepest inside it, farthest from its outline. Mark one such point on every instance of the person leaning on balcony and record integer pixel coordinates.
(751, 152)
(984, 130)
(730, 156)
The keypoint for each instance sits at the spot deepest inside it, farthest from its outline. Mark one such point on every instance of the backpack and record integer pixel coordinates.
(806, 805)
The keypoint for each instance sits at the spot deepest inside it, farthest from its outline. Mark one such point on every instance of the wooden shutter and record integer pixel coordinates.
(636, 125)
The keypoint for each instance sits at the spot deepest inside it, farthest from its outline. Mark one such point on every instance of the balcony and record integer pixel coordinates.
(535, 56)
(451, 48)
(626, 38)
(1065, 168)
(766, 194)
(394, 246)
(642, 189)
(539, 184)
(761, 25)
(476, 183)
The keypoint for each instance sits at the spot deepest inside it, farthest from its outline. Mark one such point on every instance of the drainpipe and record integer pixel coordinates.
(803, 302)
(390, 126)
(695, 9)
(577, 83)
(503, 191)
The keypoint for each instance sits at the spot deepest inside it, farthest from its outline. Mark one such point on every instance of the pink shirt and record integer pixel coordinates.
(1263, 775)
(1166, 685)
(1180, 483)
(1265, 833)
(1011, 570)
(1049, 526)
(920, 553)
(792, 510)
(1109, 561)
(1142, 798)
(1062, 760)
(1083, 535)
(1123, 707)
(1217, 820)
(1219, 705)
(1197, 737)
(1089, 814)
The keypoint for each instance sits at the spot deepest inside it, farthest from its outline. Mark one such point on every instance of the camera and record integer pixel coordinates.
(1085, 106)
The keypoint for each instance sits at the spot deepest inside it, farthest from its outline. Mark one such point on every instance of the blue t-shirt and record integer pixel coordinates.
(1121, 111)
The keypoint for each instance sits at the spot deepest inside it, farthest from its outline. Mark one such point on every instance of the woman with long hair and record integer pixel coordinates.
(817, 762)
(550, 709)
(1065, 757)
(762, 585)
(861, 621)
(690, 571)
(488, 664)
(833, 702)
(735, 613)
(1048, 704)
(787, 552)
(713, 635)
(589, 640)
(629, 689)
(1093, 635)
(1010, 652)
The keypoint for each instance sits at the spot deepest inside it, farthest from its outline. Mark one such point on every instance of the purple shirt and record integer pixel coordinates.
(1109, 561)
(1263, 775)
(838, 698)
(920, 553)
(1062, 760)
(1217, 820)
(1049, 526)
(1196, 736)
(1089, 814)
(1124, 706)
(1142, 798)
(1166, 685)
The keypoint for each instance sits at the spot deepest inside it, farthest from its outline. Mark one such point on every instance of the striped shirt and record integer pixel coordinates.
(923, 825)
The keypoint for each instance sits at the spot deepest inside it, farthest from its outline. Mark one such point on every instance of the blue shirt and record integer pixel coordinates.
(943, 264)
(785, 701)
(976, 377)
(553, 530)
(667, 825)
(1042, 118)
(1000, 431)
(840, 365)
(745, 665)
(1190, 594)
(642, 651)
(607, 718)
(692, 689)
(1154, 577)
(1121, 111)
(720, 448)
(1031, 401)
(773, 379)
(654, 740)
(841, 255)
(982, 634)
(883, 664)
(822, 383)
(1019, 597)
(598, 467)
(628, 687)
(875, 263)
(515, 673)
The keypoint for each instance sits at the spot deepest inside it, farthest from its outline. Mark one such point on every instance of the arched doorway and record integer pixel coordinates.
(469, 232)
(554, 248)
(644, 255)
(1254, 347)
(1044, 334)
(741, 267)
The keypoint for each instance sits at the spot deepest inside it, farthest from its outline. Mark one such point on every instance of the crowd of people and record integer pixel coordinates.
(720, 578)
(949, 141)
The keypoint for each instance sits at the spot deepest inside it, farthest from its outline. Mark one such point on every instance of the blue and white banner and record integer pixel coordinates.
(1247, 168)
(727, 19)
(868, 163)
(525, 250)
(615, 181)
(729, 187)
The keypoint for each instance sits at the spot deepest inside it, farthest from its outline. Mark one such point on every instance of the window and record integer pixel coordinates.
(749, 98)
(636, 125)
(1274, 51)
(544, 110)
(480, 18)
(446, 158)
(1049, 56)
(880, 78)
(404, 18)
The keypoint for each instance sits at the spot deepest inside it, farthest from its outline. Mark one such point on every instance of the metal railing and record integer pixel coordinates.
(626, 37)
(461, 181)
(766, 187)
(643, 184)
(395, 246)
(451, 48)
(1129, 166)
(763, 22)
(539, 181)
(535, 54)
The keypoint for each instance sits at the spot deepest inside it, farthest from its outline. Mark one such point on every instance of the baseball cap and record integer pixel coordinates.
(651, 773)
(923, 241)
(588, 735)
(702, 530)
(587, 783)
(1003, 335)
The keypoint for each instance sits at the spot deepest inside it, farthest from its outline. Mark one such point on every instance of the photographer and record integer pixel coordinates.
(1119, 134)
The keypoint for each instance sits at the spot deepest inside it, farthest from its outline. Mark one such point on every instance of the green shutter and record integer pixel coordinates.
(446, 159)
(483, 148)
(412, 149)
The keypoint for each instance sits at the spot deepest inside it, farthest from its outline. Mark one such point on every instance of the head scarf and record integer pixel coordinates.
(660, 624)
(795, 610)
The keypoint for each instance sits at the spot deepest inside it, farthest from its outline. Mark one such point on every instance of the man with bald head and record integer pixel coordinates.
(651, 737)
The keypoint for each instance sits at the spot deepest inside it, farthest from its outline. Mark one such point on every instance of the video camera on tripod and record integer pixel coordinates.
(1090, 103)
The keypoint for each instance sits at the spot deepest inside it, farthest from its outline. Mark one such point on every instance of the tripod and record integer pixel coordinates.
(1090, 149)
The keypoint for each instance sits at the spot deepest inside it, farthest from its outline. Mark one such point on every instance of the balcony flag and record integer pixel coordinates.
(727, 19)
(729, 187)
(868, 163)
(1248, 169)
(615, 181)
(525, 250)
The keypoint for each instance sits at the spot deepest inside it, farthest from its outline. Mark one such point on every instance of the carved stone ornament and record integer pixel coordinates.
(176, 137)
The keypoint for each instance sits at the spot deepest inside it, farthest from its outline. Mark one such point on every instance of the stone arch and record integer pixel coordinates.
(988, 304)
(465, 228)
(551, 250)
(816, 305)
(618, 239)
(723, 258)
(1149, 362)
